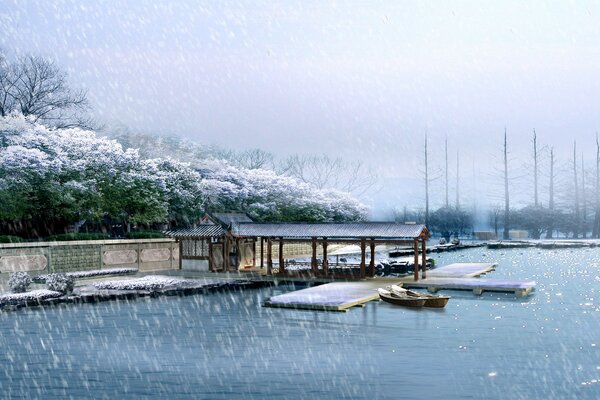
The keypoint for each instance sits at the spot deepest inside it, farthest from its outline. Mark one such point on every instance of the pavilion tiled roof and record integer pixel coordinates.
(206, 230)
(366, 230)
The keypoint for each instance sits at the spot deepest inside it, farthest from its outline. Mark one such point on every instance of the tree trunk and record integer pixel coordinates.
(457, 181)
(446, 170)
(535, 170)
(551, 199)
(426, 186)
(576, 224)
(506, 235)
(596, 229)
(583, 201)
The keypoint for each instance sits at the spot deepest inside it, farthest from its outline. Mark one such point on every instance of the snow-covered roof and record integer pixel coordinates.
(205, 230)
(350, 230)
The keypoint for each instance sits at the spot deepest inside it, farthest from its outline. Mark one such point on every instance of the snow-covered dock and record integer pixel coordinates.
(462, 270)
(478, 285)
(335, 296)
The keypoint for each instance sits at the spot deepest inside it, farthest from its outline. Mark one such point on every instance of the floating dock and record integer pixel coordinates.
(462, 270)
(478, 285)
(335, 296)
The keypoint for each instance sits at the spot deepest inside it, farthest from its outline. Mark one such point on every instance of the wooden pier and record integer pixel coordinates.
(335, 296)
(478, 285)
(462, 270)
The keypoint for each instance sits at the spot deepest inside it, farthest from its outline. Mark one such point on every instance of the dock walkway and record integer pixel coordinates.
(335, 296)
(462, 270)
(478, 285)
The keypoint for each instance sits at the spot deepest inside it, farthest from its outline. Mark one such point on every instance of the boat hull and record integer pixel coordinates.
(431, 301)
(405, 301)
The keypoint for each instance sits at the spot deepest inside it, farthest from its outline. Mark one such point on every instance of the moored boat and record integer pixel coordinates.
(400, 300)
(430, 300)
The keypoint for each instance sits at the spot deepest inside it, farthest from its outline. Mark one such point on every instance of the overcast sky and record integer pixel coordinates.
(353, 78)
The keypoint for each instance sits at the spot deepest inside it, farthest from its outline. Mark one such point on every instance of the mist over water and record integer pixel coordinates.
(225, 345)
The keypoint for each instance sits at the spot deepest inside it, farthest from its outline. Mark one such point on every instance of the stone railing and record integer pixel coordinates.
(86, 255)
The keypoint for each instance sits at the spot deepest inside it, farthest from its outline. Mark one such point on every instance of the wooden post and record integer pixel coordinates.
(325, 261)
(269, 256)
(211, 267)
(237, 255)
(363, 246)
(262, 253)
(424, 257)
(313, 260)
(254, 253)
(416, 247)
(180, 254)
(372, 261)
(281, 260)
(226, 255)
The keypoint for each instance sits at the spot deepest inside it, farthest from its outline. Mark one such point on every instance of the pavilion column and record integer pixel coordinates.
(325, 261)
(254, 254)
(262, 253)
(226, 255)
(269, 256)
(423, 257)
(372, 261)
(281, 260)
(237, 255)
(363, 246)
(313, 260)
(416, 248)
(211, 266)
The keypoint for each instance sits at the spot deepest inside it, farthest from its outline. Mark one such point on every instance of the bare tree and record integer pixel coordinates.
(596, 228)
(426, 184)
(446, 169)
(505, 234)
(36, 87)
(576, 205)
(8, 80)
(550, 231)
(457, 181)
(583, 201)
(535, 170)
(255, 159)
(323, 171)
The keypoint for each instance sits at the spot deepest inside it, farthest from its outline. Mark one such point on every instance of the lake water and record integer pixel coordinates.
(225, 345)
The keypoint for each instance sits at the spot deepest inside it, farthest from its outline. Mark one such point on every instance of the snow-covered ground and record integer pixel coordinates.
(153, 282)
(40, 294)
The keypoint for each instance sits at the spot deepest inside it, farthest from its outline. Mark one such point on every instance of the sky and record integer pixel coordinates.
(358, 79)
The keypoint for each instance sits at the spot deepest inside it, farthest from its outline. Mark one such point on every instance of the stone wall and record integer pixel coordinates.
(46, 257)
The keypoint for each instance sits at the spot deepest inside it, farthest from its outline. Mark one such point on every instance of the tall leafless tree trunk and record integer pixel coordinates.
(426, 184)
(583, 201)
(457, 181)
(550, 232)
(446, 170)
(596, 229)
(506, 234)
(575, 182)
(535, 170)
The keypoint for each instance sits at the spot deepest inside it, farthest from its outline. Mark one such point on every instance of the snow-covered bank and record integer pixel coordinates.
(151, 285)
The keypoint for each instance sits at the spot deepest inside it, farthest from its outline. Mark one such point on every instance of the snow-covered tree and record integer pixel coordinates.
(53, 177)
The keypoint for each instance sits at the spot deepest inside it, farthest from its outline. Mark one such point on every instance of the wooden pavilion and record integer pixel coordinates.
(229, 242)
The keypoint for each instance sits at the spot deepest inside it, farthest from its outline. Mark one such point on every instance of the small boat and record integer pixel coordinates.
(430, 300)
(400, 300)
